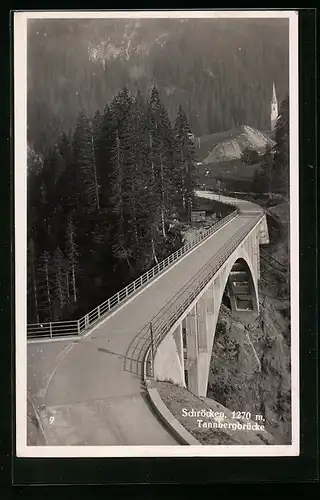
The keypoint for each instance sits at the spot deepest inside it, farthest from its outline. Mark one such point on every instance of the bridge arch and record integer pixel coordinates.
(239, 280)
(184, 356)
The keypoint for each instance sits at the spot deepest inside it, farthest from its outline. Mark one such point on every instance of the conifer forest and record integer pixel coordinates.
(113, 106)
(102, 204)
(149, 135)
(220, 70)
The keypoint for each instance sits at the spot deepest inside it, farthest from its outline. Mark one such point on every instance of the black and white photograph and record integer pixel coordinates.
(156, 228)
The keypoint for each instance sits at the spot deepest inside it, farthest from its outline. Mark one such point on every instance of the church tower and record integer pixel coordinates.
(274, 109)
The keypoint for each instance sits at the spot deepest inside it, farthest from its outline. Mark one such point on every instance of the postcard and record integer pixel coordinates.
(156, 233)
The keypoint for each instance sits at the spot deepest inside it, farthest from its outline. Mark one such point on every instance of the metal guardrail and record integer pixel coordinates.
(162, 323)
(77, 327)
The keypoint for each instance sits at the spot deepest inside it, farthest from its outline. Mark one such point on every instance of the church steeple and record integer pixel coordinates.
(274, 108)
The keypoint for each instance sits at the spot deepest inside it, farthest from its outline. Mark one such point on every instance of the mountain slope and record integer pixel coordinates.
(230, 144)
(220, 70)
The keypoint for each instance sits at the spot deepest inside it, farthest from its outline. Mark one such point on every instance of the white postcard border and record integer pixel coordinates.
(20, 183)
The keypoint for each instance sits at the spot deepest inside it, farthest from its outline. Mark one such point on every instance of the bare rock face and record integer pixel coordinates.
(250, 368)
(235, 142)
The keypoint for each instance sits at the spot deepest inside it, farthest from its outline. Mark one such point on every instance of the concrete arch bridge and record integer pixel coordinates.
(86, 379)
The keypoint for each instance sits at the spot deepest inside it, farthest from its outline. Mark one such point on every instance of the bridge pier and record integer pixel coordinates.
(192, 351)
(201, 310)
(184, 356)
(169, 362)
(200, 329)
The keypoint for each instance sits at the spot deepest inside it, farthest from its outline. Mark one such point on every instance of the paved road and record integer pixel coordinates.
(243, 205)
(91, 390)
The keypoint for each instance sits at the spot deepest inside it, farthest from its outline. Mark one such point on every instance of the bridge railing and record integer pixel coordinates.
(162, 323)
(77, 327)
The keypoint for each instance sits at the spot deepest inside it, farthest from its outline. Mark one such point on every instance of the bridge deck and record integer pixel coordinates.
(92, 387)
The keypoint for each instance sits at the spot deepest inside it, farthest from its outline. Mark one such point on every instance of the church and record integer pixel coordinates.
(229, 145)
(274, 109)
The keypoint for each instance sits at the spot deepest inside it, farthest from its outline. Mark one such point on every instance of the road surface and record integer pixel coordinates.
(90, 391)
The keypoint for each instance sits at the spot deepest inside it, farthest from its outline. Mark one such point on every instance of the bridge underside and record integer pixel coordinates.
(184, 356)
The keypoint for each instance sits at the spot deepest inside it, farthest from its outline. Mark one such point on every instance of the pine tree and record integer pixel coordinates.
(60, 290)
(185, 171)
(105, 145)
(280, 173)
(101, 205)
(120, 105)
(122, 180)
(161, 143)
(267, 166)
(72, 255)
(52, 172)
(143, 186)
(154, 202)
(45, 286)
(85, 160)
(68, 193)
(117, 180)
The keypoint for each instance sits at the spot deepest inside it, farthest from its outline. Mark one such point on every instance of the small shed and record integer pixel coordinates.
(198, 216)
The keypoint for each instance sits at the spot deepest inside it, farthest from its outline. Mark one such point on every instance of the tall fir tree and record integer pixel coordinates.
(122, 195)
(68, 184)
(72, 255)
(263, 175)
(280, 173)
(85, 160)
(105, 145)
(185, 170)
(60, 291)
(143, 187)
(267, 166)
(99, 206)
(161, 145)
(45, 286)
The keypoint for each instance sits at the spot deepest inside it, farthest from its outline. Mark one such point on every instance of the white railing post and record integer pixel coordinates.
(148, 275)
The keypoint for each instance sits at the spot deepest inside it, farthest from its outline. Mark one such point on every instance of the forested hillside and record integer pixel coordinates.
(102, 203)
(221, 70)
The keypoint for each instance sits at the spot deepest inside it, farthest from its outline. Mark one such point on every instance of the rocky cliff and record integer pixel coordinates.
(250, 367)
(229, 145)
